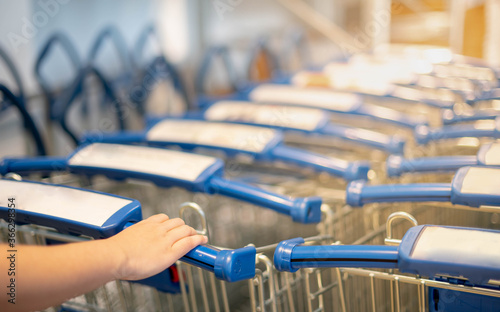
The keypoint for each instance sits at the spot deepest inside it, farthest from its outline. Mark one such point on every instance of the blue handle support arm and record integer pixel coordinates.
(229, 265)
(390, 116)
(349, 171)
(372, 139)
(397, 165)
(304, 210)
(359, 194)
(290, 256)
(123, 137)
(36, 164)
(424, 134)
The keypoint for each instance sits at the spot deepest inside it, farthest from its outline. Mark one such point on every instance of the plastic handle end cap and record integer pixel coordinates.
(393, 165)
(357, 170)
(353, 194)
(397, 145)
(307, 210)
(422, 134)
(283, 254)
(235, 265)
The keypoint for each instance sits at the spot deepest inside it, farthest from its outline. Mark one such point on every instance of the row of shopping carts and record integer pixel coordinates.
(343, 156)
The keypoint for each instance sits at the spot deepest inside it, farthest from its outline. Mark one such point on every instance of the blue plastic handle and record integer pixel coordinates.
(425, 134)
(493, 94)
(390, 116)
(304, 210)
(349, 171)
(392, 144)
(28, 121)
(212, 53)
(68, 47)
(359, 194)
(397, 165)
(228, 265)
(291, 255)
(417, 95)
(449, 117)
(274, 151)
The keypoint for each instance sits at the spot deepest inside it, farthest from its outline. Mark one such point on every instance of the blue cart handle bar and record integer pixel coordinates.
(228, 265)
(359, 194)
(290, 257)
(487, 128)
(397, 165)
(304, 210)
(349, 171)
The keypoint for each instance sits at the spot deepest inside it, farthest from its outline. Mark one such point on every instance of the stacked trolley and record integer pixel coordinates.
(323, 155)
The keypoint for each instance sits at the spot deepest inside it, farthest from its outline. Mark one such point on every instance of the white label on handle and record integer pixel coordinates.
(157, 161)
(62, 202)
(492, 156)
(240, 137)
(483, 181)
(311, 97)
(458, 246)
(299, 118)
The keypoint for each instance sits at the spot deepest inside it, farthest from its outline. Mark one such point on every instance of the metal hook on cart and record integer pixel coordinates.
(199, 211)
(389, 240)
(13, 176)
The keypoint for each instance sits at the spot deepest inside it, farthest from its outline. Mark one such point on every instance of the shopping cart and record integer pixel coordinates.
(81, 214)
(486, 156)
(435, 265)
(259, 143)
(459, 138)
(166, 168)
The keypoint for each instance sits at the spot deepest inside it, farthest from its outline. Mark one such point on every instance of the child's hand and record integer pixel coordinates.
(152, 245)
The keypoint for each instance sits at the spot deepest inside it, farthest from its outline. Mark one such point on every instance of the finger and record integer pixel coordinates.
(171, 224)
(161, 217)
(184, 245)
(180, 232)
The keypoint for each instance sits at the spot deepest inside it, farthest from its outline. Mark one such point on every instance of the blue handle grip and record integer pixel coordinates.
(304, 210)
(424, 134)
(493, 94)
(397, 165)
(391, 144)
(229, 265)
(122, 137)
(359, 194)
(27, 165)
(350, 171)
(290, 256)
(390, 116)
(449, 117)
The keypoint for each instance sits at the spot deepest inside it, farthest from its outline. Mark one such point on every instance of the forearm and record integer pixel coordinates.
(46, 276)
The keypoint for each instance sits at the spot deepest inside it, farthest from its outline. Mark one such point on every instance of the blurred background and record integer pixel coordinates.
(187, 27)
